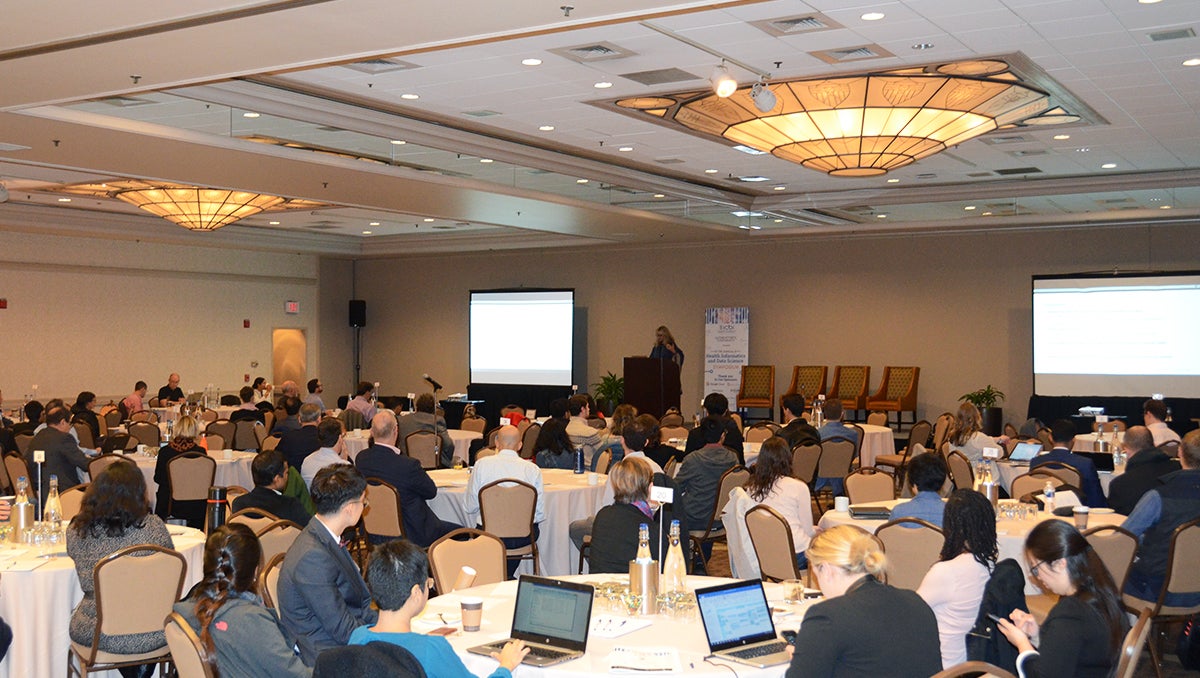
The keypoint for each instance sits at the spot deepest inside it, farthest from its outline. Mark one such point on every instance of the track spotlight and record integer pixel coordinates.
(723, 84)
(764, 99)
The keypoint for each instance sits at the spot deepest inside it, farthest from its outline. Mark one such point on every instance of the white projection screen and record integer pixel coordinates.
(522, 337)
(1126, 335)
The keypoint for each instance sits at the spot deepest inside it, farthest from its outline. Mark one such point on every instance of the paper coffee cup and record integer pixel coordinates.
(593, 479)
(472, 613)
(466, 577)
(1081, 517)
(841, 504)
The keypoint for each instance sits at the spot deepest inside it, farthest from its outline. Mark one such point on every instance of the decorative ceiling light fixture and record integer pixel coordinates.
(198, 209)
(723, 84)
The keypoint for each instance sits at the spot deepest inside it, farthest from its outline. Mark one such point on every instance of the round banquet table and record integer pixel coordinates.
(877, 440)
(1010, 534)
(356, 441)
(568, 497)
(686, 635)
(38, 603)
(232, 471)
(1010, 471)
(1086, 442)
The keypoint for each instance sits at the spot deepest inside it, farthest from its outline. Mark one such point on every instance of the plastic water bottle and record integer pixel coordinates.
(52, 513)
(579, 461)
(1048, 492)
(818, 412)
(674, 576)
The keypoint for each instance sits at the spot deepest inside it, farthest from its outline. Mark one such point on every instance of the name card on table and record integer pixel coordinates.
(991, 453)
(662, 495)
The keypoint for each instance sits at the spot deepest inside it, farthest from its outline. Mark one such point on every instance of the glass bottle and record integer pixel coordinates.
(643, 552)
(22, 491)
(818, 412)
(52, 513)
(674, 576)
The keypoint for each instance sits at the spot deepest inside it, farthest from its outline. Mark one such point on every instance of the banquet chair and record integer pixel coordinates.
(1116, 547)
(425, 447)
(1010, 430)
(669, 469)
(529, 439)
(384, 519)
(352, 419)
(254, 518)
(277, 537)
(97, 465)
(475, 423)
(762, 430)
(86, 439)
(941, 429)
(973, 669)
(208, 415)
(804, 462)
(22, 440)
(1182, 577)
(666, 433)
(1033, 483)
(145, 433)
(223, 428)
(268, 580)
(230, 400)
(1069, 474)
(850, 386)
(233, 492)
(961, 472)
(807, 380)
(736, 476)
(506, 509)
(187, 652)
(112, 418)
(604, 461)
(72, 500)
(135, 589)
(1135, 642)
(912, 546)
(145, 415)
(671, 419)
(269, 419)
(190, 475)
(837, 454)
(918, 438)
(877, 418)
(1043, 434)
(773, 546)
(245, 434)
(737, 420)
(16, 467)
(897, 393)
(269, 443)
(868, 484)
(482, 551)
(757, 390)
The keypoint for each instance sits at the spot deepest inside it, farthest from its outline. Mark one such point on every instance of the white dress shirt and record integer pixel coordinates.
(324, 456)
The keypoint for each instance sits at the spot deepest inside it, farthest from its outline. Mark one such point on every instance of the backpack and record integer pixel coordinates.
(1004, 592)
(1189, 644)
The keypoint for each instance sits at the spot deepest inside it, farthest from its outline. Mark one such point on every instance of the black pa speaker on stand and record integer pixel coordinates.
(358, 320)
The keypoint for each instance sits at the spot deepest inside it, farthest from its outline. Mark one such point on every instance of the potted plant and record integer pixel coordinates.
(609, 392)
(986, 399)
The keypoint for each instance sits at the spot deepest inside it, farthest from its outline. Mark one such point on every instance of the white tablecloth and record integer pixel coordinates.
(1009, 471)
(234, 471)
(38, 605)
(1086, 442)
(568, 497)
(1010, 534)
(877, 440)
(356, 441)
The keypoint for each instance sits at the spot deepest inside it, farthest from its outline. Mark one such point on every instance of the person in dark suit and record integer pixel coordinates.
(322, 595)
(1063, 432)
(298, 444)
(385, 461)
(795, 430)
(270, 471)
(247, 410)
(1146, 465)
(33, 416)
(63, 455)
(716, 405)
(425, 419)
(842, 636)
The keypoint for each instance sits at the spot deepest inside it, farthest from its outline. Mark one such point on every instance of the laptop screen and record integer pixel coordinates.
(735, 614)
(552, 612)
(1025, 451)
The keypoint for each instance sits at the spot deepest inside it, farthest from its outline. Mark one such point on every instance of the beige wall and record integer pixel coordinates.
(336, 348)
(956, 305)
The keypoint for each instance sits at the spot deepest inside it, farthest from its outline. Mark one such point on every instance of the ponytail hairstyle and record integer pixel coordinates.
(232, 556)
(849, 547)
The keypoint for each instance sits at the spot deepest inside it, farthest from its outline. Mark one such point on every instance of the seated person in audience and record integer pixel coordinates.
(134, 402)
(315, 389)
(953, 587)
(8, 442)
(1175, 501)
(656, 450)
(299, 443)
(1063, 433)
(1145, 466)
(771, 483)
(1154, 415)
(553, 448)
(425, 419)
(82, 411)
(247, 410)
(615, 530)
(1082, 635)
(967, 436)
(262, 390)
(33, 416)
(716, 405)
(506, 464)
(183, 442)
(322, 596)
(633, 442)
(5, 422)
(833, 427)
(63, 454)
(243, 638)
(843, 635)
(624, 415)
(289, 389)
(398, 576)
(796, 431)
(332, 450)
(927, 473)
(270, 471)
(385, 461)
(114, 514)
(170, 394)
(700, 472)
(290, 406)
(361, 402)
(582, 435)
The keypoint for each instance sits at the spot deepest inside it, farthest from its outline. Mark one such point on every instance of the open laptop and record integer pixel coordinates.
(737, 621)
(1023, 452)
(552, 617)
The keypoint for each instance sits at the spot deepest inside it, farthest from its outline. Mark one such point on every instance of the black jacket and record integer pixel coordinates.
(1141, 475)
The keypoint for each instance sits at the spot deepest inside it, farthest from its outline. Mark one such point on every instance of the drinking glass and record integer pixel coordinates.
(632, 600)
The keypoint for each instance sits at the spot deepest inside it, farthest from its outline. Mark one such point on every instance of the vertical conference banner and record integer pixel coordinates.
(726, 349)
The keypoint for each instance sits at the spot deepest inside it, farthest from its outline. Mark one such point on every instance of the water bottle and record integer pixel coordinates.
(674, 575)
(218, 507)
(52, 513)
(818, 412)
(579, 461)
(1048, 492)
(643, 552)
(22, 511)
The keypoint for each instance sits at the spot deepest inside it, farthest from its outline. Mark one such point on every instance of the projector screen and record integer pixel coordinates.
(523, 337)
(1106, 335)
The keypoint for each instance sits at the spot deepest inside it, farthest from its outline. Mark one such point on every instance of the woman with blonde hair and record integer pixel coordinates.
(615, 530)
(967, 436)
(844, 635)
(184, 441)
(664, 346)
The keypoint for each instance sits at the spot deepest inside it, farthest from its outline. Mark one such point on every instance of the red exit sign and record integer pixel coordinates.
(291, 307)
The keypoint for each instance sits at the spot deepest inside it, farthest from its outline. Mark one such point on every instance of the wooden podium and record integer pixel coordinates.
(652, 385)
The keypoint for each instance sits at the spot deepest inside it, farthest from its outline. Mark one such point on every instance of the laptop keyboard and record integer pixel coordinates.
(546, 652)
(759, 650)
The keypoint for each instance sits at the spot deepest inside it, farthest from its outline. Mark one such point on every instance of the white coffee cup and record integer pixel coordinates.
(143, 449)
(228, 454)
(593, 478)
(841, 504)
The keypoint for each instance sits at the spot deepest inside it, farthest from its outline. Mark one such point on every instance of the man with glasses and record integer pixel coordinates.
(315, 389)
(322, 595)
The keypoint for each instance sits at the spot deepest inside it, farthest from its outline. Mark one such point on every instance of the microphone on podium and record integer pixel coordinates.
(436, 386)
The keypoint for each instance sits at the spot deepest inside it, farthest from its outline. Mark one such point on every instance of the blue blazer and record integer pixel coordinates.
(1093, 493)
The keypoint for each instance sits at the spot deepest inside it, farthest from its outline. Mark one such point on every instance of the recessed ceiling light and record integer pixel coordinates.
(1062, 137)
(1149, 2)
(373, 223)
(547, 128)
(744, 227)
(881, 216)
(893, 181)
(64, 200)
(625, 149)
(603, 84)
(659, 195)
(581, 181)
(755, 227)
(872, 16)
(486, 160)
(1192, 62)
(748, 151)
(754, 179)
(779, 221)
(273, 223)
(250, 114)
(531, 62)
(969, 208)
(923, 46)
(410, 96)
(366, 232)
(398, 142)
(781, 188)
(711, 171)
(1164, 207)
(746, 213)
(1108, 165)
(985, 214)
(428, 219)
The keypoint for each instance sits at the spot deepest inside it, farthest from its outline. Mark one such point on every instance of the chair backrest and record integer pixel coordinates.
(476, 424)
(877, 418)
(737, 419)
(758, 382)
(1116, 546)
(482, 551)
(1043, 434)
(669, 469)
(960, 470)
(976, 668)
(144, 415)
(268, 580)
(214, 442)
(223, 428)
(604, 461)
(736, 476)
(506, 508)
(1069, 474)
(208, 415)
(529, 439)
(255, 519)
(97, 465)
(233, 492)
(187, 652)
(1032, 483)
(941, 429)
(868, 484)
(1182, 574)
(269, 443)
(836, 455)
(668, 432)
(808, 380)
(277, 537)
(245, 434)
(86, 439)
(850, 382)
(16, 467)
(912, 546)
(804, 462)
(772, 540)
(72, 500)
(424, 446)
(112, 418)
(135, 590)
(145, 432)
(919, 434)
(22, 440)
(384, 518)
(597, 423)
(900, 384)
(1131, 649)
(671, 419)
(191, 475)
(761, 431)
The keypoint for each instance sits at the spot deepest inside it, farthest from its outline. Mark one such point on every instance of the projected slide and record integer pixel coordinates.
(1117, 336)
(522, 337)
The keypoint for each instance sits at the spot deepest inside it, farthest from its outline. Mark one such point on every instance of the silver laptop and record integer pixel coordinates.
(1023, 452)
(552, 617)
(737, 621)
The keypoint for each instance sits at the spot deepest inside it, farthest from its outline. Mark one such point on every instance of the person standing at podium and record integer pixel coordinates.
(665, 348)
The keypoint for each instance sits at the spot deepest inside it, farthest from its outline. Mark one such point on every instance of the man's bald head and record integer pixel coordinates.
(508, 438)
(1138, 439)
(383, 427)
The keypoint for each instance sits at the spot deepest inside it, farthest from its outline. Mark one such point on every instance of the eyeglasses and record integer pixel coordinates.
(364, 501)
(1034, 570)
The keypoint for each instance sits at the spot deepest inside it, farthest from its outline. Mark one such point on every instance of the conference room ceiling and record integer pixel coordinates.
(311, 100)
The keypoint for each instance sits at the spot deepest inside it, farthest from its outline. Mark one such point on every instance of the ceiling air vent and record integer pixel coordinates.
(599, 51)
(1018, 170)
(979, 175)
(660, 77)
(1005, 139)
(669, 161)
(796, 25)
(374, 66)
(484, 113)
(1026, 154)
(1174, 34)
(126, 102)
(323, 226)
(1116, 201)
(840, 56)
